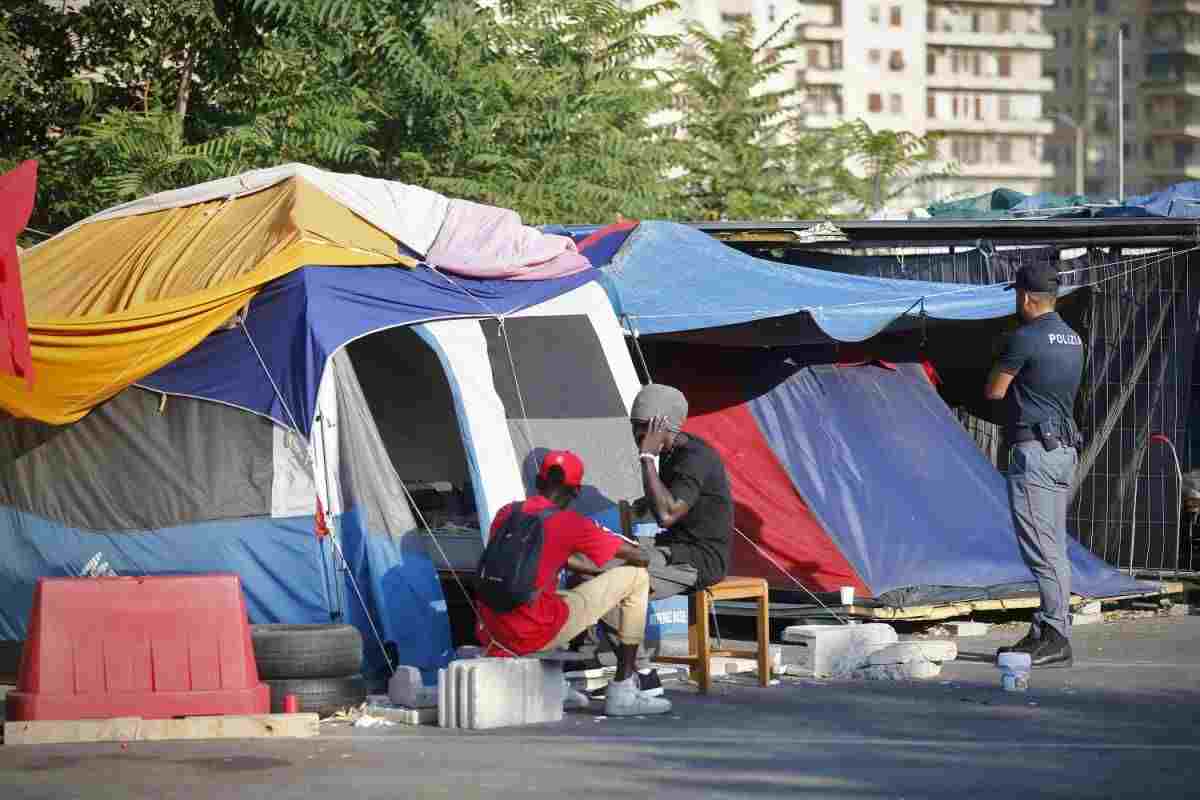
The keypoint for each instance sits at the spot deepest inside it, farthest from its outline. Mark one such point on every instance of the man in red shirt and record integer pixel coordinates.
(554, 617)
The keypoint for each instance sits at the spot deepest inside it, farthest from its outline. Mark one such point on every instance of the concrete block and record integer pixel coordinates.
(965, 629)
(405, 688)
(837, 651)
(909, 652)
(380, 706)
(721, 665)
(913, 670)
(484, 693)
(1090, 609)
(1087, 619)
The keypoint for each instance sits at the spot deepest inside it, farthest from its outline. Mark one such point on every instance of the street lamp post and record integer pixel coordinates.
(1080, 155)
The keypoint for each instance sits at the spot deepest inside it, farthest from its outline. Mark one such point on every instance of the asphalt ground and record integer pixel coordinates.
(1121, 723)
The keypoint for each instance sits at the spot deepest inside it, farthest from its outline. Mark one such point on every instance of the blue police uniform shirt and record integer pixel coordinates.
(1046, 356)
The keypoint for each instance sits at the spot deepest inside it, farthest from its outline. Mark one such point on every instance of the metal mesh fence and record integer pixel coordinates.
(1139, 390)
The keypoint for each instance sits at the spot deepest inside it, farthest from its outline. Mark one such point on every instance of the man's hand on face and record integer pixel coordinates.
(658, 434)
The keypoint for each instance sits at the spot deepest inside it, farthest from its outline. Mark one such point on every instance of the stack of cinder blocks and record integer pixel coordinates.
(481, 693)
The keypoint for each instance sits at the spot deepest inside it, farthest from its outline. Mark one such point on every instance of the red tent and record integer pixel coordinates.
(17, 190)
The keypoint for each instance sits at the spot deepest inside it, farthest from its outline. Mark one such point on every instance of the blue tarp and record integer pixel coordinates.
(669, 278)
(297, 321)
(898, 484)
(1178, 200)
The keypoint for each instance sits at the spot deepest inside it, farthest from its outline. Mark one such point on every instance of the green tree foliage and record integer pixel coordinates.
(891, 162)
(549, 107)
(545, 106)
(747, 155)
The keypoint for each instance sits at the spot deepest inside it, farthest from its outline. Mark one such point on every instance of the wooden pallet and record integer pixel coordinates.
(136, 729)
(923, 613)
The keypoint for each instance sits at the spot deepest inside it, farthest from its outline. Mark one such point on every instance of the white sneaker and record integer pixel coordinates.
(624, 699)
(576, 699)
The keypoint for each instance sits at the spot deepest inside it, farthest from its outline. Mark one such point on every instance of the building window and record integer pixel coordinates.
(1126, 33)
(1004, 65)
(930, 20)
(873, 15)
(975, 26)
(954, 107)
(1128, 150)
(930, 64)
(896, 103)
(978, 108)
(896, 17)
(814, 57)
(1100, 36)
(1068, 79)
(873, 56)
(875, 102)
(1004, 21)
(1125, 114)
(1101, 6)
(930, 106)
(1005, 108)
(1126, 72)
(896, 61)
(1148, 151)
(771, 13)
(1067, 38)
(1004, 151)
(954, 61)
(1183, 153)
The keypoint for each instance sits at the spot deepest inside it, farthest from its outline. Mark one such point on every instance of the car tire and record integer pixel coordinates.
(306, 651)
(322, 696)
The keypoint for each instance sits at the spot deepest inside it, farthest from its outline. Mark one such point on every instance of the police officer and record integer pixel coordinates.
(1038, 376)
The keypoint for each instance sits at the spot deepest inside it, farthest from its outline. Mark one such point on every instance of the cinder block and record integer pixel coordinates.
(407, 689)
(913, 670)
(1090, 609)
(1087, 619)
(721, 665)
(909, 652)
(487, 693)
(965, 629)
(837, 651)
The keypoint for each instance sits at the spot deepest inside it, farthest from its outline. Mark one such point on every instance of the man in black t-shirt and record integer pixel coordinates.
(1038, 376)
(687, 492)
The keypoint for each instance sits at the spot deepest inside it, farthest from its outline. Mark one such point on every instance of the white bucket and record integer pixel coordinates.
(847, 595)
(1014, 671)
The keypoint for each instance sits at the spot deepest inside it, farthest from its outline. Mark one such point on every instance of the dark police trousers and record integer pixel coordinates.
(1039, 490)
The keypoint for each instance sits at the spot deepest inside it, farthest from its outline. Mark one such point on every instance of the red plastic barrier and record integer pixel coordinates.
(151, 647)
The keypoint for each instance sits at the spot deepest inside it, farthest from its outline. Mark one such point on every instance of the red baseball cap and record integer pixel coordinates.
(568, 462)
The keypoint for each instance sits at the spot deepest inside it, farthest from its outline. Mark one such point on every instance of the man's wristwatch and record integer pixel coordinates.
(649, 457)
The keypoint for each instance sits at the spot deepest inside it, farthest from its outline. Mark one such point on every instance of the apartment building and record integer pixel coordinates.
(1160, 71)
(968, 70)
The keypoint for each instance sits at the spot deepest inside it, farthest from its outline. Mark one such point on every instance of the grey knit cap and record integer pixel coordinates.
(658, 400)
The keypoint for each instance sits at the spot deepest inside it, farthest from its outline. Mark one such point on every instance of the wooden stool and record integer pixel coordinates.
(700, 647)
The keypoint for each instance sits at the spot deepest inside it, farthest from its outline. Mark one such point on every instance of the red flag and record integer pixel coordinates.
(17, 189)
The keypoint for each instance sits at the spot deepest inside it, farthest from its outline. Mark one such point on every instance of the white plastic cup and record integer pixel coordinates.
(847, 595)
(1014, 671)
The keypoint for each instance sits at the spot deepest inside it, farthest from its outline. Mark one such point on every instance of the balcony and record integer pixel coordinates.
(811, 32)
(821, 76)
(1026, 168)
(1018, 3)
(1028, 126)
(822, 120)
(1013, 40)
(989, 83)
(1187, 45)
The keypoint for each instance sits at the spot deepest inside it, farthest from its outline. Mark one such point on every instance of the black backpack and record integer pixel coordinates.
(508, 567)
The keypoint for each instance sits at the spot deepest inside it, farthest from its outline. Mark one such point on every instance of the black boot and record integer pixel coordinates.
(1026, 645)
(1053, 651)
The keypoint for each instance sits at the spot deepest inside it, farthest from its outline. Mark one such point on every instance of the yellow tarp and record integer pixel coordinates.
(112, 301)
